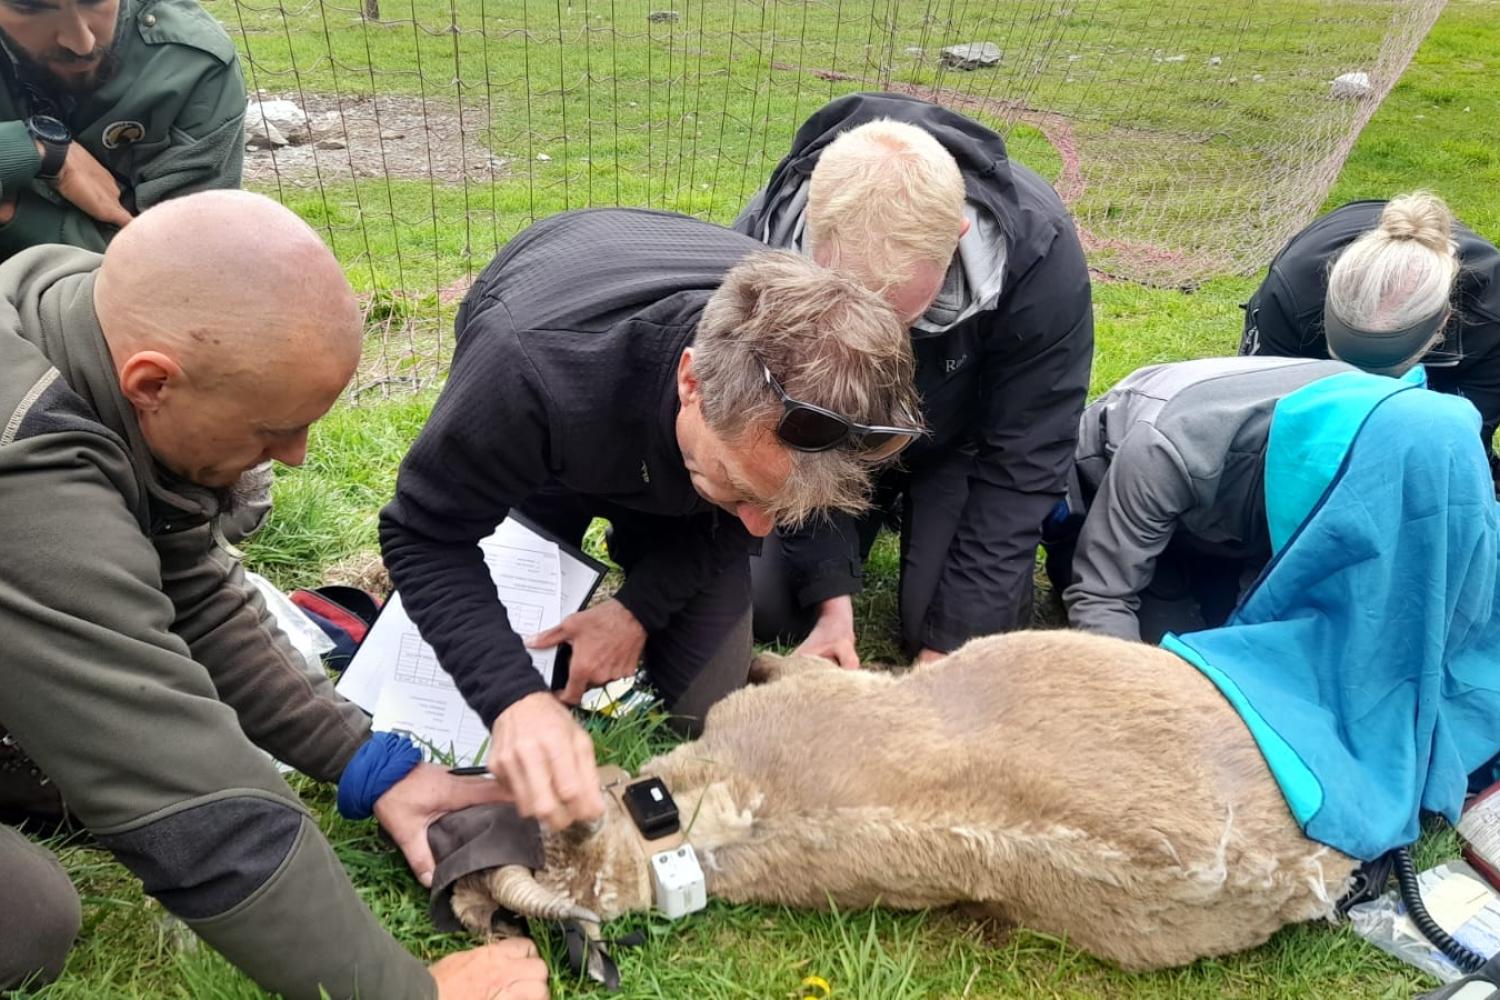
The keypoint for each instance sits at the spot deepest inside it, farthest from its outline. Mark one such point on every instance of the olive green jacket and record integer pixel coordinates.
(140, 672)
(169, 122)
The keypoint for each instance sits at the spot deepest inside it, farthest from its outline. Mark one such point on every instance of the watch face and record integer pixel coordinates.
(49, 129)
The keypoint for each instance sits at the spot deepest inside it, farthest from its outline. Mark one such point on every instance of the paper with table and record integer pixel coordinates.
(395, 675)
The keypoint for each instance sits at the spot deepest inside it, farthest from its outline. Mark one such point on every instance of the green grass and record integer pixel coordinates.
(691, 114)
(130, 948)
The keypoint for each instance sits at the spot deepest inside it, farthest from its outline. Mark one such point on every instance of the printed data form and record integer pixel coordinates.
(395, 675)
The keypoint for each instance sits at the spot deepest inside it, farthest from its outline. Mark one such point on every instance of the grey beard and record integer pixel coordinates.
(243, 507)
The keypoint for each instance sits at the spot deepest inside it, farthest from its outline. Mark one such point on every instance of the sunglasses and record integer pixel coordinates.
(806, 427)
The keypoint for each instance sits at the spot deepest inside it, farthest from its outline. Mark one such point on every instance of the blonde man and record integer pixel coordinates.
(979, 258)
(1378, 282)
(679, 381)
(886, 206)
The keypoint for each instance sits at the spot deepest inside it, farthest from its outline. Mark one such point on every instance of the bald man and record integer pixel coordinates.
(140, 672)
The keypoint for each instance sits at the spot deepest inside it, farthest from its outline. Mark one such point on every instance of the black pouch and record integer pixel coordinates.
(474, 839)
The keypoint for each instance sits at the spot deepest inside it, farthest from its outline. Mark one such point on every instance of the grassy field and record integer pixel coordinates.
(1440, 129)
(1194, 124)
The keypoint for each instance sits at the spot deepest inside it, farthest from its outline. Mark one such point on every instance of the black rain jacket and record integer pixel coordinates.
(1003, 361)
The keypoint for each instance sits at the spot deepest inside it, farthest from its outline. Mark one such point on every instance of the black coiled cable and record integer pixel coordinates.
(1411, 895)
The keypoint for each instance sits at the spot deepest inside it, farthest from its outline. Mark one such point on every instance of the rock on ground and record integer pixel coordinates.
(972, 55)
(289, 120)
(1352, 86)
(263, 135)
(351, 139)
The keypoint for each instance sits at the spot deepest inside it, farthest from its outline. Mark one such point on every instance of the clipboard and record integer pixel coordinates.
(395, 675)
(583, 561)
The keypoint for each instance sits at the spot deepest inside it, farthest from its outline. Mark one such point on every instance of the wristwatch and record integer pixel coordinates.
(55, 139)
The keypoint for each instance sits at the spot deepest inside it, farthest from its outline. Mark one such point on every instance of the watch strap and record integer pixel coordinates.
(54, 154)
(54, 138)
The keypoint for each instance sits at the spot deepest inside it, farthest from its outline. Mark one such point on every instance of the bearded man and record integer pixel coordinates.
(108, 107)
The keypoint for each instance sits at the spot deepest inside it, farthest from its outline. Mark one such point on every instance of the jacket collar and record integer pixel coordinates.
(72, 339)
(663, 458)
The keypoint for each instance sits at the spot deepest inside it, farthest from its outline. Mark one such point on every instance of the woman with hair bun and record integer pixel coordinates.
(1381, 284)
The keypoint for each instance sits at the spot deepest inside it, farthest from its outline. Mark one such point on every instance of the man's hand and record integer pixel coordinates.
(425, 795)
(546, 761)
(91, 188)
(607, 642)
(833, 636)
(927, 656)
(504, 970)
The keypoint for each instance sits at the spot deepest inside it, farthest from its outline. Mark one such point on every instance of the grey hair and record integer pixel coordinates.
(1400, 272)
(829, 342)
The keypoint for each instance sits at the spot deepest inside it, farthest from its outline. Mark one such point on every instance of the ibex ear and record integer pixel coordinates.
(768, 667)
(765, 668)
(473, 906)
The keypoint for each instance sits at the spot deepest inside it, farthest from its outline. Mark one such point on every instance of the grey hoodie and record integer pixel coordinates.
(1174, 454)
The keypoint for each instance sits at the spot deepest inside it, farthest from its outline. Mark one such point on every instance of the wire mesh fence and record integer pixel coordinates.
(1189, 137)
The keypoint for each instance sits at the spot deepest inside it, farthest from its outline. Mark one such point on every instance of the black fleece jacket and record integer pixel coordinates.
(1003, 364)
(563, 377)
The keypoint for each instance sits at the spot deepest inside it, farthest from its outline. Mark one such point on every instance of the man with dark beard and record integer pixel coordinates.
(108, 107)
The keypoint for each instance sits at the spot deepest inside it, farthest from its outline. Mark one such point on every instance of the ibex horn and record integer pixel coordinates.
(516, 888)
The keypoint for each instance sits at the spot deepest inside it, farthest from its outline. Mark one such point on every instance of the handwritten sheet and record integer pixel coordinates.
(396, 677)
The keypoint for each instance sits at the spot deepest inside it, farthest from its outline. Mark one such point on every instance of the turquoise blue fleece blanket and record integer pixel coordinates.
(1366, 658)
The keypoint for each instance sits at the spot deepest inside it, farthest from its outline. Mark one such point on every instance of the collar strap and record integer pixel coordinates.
(615, 780)
(671, 875)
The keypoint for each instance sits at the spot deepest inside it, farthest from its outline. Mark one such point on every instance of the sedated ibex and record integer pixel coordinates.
(1079, 785)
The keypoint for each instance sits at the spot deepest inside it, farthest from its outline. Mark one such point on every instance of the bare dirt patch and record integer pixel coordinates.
(358, 137)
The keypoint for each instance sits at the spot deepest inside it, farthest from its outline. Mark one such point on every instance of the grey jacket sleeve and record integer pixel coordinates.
(287, 710)
(1129, 524)
(108, 701)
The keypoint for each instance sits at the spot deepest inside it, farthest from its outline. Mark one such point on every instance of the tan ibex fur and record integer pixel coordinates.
(1083, 786)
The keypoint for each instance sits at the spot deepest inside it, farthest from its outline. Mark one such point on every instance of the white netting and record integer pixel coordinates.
(1189, 137)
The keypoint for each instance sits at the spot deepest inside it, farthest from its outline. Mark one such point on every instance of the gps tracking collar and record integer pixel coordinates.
(676, 877)
(1381, 352)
